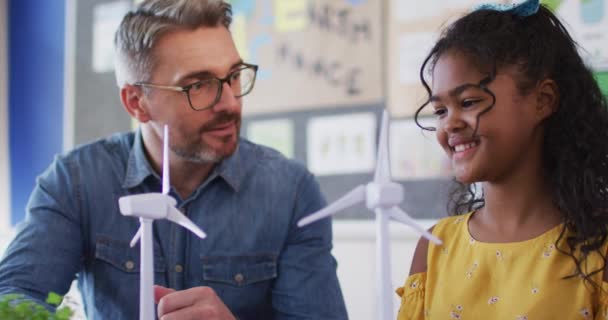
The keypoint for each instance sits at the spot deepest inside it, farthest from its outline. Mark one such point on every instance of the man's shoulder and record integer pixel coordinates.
(114, 142)
(114, 146)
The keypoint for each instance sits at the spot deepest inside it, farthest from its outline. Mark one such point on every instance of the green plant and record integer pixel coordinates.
(16, 307)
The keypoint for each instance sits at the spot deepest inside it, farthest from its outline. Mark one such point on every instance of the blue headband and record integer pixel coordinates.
(523, 9)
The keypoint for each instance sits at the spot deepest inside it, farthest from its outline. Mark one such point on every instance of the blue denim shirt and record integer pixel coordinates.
(255, 257)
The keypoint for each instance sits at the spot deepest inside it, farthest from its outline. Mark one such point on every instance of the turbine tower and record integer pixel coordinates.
(149, 207)
(383, 197)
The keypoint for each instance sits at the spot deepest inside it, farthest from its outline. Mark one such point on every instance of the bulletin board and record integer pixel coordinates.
(312, 53)
(320, 91)
(343, 157)
(320, 96)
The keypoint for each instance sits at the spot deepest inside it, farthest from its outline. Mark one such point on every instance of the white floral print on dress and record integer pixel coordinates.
(414, 284)
(534, 288)
(522, 317)
(499, 255)
(493, 300)
(548, 250)
(456, 312)
(585, 313)
(472, 269)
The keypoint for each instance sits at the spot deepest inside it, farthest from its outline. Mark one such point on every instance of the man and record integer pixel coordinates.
(177, 65)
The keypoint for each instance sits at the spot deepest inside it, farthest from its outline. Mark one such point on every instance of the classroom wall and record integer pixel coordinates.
(4, 165)
(36, 135)
(36, 56)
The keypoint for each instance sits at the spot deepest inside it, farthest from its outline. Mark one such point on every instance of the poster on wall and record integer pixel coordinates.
(342, 144)
(587, 21)
(311, 53)
(415, 154)
(275, 133)
(413, 29)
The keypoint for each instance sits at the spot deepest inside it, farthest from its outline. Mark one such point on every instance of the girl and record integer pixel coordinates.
(517, 111)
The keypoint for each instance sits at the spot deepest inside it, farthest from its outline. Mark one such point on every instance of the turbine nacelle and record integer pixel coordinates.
(383, 195)
(148, 205)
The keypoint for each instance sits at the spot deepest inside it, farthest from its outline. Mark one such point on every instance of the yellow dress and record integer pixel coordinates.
(467, 279)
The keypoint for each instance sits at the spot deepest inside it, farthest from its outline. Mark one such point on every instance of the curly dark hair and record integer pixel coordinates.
(575, 147)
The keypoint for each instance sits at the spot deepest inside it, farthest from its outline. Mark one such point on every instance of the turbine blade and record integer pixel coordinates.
(166, 181)
(399, 215)
(136, 237)
(383, 173)
(179, 218)
(351, 198)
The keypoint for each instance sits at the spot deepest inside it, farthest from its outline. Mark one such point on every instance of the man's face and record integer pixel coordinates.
(184, 57)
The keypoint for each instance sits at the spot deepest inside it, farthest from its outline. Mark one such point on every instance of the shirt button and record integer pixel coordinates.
(179, 268)
(239, 277)
(129, 265)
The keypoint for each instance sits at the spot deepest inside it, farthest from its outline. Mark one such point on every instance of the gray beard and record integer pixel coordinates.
(202, 157)
(204, 154)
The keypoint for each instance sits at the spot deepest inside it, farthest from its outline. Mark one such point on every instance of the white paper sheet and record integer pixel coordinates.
(415, 153)
(276, 133)
(342, 144)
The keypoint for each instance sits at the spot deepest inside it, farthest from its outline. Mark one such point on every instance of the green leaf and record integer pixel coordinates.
(54, 299)
(17, 307)
(63, 313)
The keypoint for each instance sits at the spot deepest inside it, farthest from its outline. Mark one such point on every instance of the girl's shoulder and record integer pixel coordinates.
(448, 230)
(452, 225)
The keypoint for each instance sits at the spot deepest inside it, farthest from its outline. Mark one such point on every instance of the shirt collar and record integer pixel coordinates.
(231, 169)
(138, 167)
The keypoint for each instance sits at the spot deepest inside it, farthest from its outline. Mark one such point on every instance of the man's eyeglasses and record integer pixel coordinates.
(205, 93)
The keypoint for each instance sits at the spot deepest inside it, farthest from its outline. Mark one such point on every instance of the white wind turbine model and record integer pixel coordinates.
(383, 196)
(149, 207)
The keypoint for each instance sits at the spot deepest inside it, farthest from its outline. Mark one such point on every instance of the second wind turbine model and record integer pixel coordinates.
(149, 207)
(383, 197)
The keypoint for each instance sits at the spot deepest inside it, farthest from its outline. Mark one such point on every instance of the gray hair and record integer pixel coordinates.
(140, 30)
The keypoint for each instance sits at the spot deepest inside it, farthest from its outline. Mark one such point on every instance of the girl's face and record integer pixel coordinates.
(507, 136)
